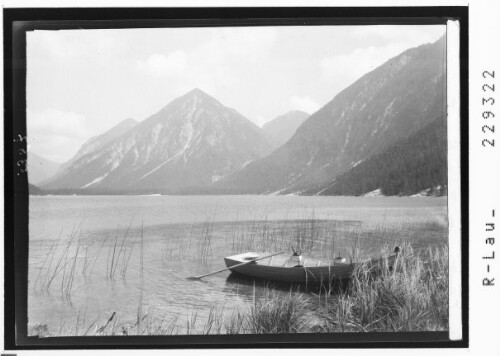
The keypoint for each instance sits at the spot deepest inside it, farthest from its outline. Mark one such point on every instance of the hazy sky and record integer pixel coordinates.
(82, 82)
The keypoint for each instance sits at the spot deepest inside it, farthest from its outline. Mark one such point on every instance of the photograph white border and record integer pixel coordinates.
(454, 179)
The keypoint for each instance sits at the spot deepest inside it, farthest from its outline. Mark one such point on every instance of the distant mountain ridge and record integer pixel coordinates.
(192, 142)
(379, 134)
(95, 143)
(40, 169)
(388, 104)
(34, 190)
(280, 129)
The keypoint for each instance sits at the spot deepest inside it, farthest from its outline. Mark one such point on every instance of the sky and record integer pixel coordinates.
(81, 83)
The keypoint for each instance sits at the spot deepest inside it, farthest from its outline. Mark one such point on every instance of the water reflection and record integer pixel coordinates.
(241, 284)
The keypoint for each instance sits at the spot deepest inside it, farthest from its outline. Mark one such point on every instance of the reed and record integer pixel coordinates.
(118, 255)
(169, 330)
(412, 296)
(112, 254)
(191, 323)
(139, 309)
(177, 246)
(86, 259)
(215, 321)
(275, 314)
(103, 328)
(49, 272)
(205, 240)
(90, 327)
(126, 258)
(235, 323)
(98, 253)
(50, 252)
(60, 265)
(121, 251)
(68, 288)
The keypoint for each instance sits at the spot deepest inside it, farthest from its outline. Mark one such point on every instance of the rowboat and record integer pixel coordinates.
(252, 265)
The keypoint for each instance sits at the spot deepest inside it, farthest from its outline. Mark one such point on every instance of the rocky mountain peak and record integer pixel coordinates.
(390, 103)
(284, 126)
(192, 142)
(199, 97)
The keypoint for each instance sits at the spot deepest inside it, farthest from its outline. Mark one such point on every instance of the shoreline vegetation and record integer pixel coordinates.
(438, 191)
(412, 296)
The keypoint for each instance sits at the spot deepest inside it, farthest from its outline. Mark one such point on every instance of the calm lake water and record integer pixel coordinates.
(85, 260)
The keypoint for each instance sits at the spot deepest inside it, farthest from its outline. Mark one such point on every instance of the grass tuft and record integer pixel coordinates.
(412, 296)
(274, 314)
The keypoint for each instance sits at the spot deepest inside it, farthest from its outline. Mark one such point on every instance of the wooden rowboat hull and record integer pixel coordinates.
(321, 274)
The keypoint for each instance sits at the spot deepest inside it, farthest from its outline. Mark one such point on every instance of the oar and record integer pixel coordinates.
(239, 264)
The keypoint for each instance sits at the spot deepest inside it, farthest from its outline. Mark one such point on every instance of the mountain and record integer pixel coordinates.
(34, 190)
(192, 142)
(40, 169)
(390, 103)
(96, 143)
(407, 167)
(283, 127)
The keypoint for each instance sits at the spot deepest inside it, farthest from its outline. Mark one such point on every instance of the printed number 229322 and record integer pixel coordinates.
(488, 108)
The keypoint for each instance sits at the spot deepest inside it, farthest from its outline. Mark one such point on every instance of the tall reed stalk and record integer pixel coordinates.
(139, 309)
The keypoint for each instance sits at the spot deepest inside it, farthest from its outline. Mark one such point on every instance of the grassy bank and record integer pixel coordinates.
(413, 296)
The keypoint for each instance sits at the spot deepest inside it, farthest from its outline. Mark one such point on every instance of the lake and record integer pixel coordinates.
(85, 251)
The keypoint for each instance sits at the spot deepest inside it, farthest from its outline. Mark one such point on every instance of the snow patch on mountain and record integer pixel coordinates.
(374, 193)
(97, 180)
(427, 192)
(158, 167)
(247, 163)
(216, 178)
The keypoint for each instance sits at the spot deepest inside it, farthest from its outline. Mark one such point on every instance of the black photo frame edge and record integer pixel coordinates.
(19, 20)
